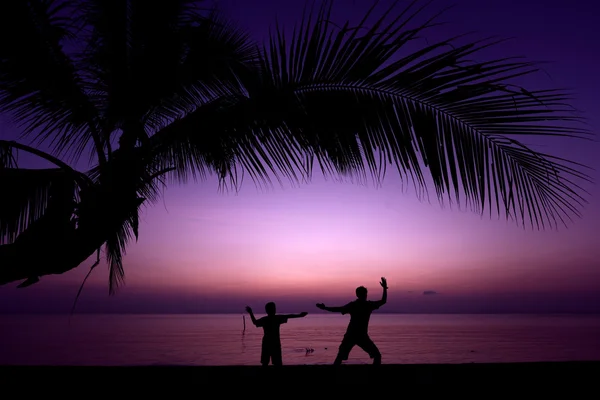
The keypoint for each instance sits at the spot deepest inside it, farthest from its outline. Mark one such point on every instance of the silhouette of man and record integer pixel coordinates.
(357, 333)
(271, 342)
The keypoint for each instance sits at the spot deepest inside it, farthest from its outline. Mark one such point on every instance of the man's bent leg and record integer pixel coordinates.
(377, 360)
(338, 360)
(370, 348)
(344, 350)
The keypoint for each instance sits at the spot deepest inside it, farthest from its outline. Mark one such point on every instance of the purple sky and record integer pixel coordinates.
(205, 251)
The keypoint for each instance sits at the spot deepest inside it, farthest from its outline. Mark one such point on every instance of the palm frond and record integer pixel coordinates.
(364, 105)
(39, 83)
(351, 100)
(10, 148)
(116, 246)
(27, 195)
(215, 56)
(132, 169)
(153, 61)
(227, 137)
(7, 156)
(29, 191)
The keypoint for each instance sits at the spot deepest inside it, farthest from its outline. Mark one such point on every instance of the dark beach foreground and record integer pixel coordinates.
(141, 380)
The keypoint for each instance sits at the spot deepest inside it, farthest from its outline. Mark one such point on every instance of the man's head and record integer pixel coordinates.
(361, 293)
(270, 308)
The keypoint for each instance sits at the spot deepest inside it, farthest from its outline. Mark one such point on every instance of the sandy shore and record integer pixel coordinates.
(146, 379)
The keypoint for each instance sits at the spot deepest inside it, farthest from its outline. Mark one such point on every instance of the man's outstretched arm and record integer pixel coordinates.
(330, 309)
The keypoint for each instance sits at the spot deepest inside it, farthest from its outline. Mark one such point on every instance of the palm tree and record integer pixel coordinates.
(160, 90)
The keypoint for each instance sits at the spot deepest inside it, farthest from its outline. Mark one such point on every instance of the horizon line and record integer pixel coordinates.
(310, 313)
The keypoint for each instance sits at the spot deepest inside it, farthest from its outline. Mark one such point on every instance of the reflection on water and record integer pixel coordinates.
(221, 340)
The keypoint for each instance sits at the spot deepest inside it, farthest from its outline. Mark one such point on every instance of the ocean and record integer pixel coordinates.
(188, 339)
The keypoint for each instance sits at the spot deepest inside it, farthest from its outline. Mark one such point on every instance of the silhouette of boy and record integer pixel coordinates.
(271, 342)
(357, 333)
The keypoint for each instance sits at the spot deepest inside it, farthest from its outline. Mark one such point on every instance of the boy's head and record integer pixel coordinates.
(361, 293)
(270, 308)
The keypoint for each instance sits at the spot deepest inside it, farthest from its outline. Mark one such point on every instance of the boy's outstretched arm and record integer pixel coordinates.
(302, 314)
(249, 310)
(330, 309)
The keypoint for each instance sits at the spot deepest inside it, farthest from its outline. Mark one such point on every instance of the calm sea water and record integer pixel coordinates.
(218, 339)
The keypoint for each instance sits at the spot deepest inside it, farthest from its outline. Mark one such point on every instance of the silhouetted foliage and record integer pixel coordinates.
(159, 90)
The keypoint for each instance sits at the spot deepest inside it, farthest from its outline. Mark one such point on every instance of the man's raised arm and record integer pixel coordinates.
(383, 300)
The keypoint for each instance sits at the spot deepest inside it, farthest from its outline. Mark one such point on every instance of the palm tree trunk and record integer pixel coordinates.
(53, 244)
(51, 255)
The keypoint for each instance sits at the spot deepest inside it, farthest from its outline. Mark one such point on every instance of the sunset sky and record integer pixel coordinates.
(205, 251)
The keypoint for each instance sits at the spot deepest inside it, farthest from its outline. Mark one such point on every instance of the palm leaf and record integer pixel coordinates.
(350, 100)
(29, 191)
(431, 108)
(124, 183)
(7, 157)
(28, 194)
(39, 83)
(227, 137)
(134, 170)
(152, 61)
(116, 246)
(214, 55)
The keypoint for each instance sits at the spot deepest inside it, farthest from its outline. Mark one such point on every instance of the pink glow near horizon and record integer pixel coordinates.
(329, 237)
